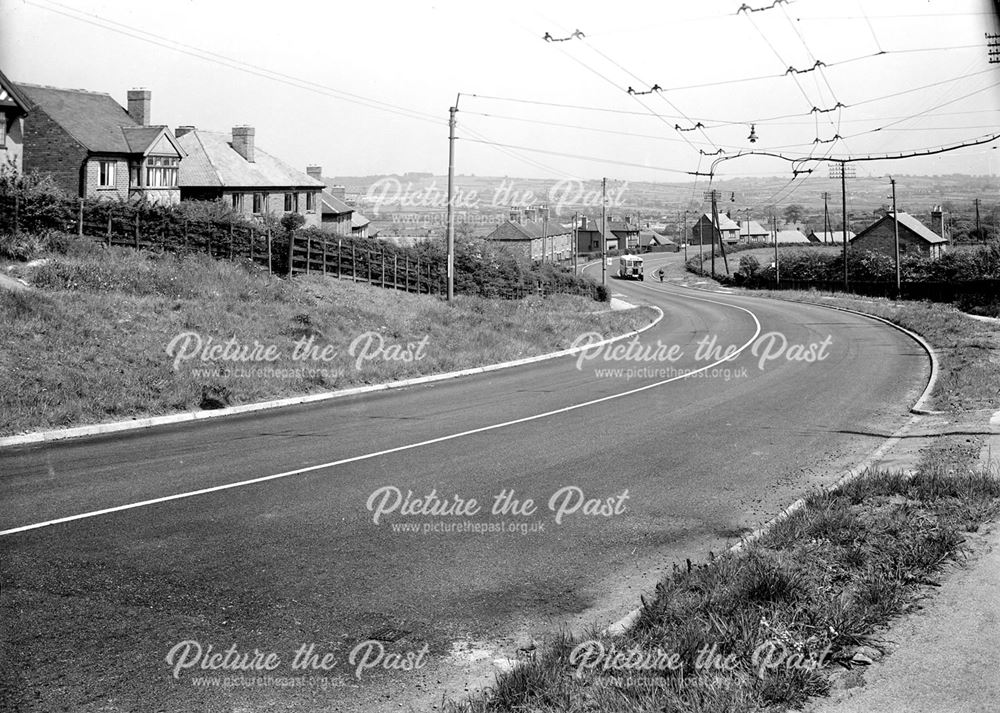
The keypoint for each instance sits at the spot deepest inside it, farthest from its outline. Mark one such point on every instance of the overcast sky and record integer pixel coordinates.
(364, 87)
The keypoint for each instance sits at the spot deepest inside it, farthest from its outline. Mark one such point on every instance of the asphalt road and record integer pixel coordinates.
(92, 608)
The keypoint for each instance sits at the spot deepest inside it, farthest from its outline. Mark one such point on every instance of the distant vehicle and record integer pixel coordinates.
(630, 267)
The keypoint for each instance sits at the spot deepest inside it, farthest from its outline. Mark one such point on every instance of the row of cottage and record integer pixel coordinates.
(95, 148)
(531, 232)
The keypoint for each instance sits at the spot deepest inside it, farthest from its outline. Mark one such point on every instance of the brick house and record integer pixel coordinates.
(231, 168)
(13, 108)
(94, 148)
(704, 229)
(531, 235)
(337, 215)
(752, 232)
(914, 236)
(623, 234)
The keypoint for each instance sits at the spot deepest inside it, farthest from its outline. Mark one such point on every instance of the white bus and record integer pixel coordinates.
(630, 267)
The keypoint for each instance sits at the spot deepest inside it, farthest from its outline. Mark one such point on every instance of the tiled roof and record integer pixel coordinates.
(792, 236)
(213, 162)
(725, 222)
(140, 138)
(94, 119)
(751, 227)
(833, 236)
(10, 92)
(334, 206)
(914, 225)
(527, 230)
(358, 220)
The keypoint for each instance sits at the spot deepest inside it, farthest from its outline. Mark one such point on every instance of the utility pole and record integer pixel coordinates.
(683, 235)
(604, 232)
(895, 228)
(576, 238)
(840, 170)
(979, 232)
(545, 229)
(451, 199)
(714, 195)
(774, 234)
(827, 232)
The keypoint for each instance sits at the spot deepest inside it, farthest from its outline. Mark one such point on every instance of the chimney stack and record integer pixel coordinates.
(937, 220)
(181, 130)
(139, 101)
(315, 171)
(243, 141)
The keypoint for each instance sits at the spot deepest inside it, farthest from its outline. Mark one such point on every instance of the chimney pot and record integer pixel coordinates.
(243, 140)
(139, 102)
(185, 129)
(315, 171)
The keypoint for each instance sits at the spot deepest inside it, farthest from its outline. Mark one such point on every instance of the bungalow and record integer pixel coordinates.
(652, 242)
(833, 236)
(752, 232)
(337, 215)
(13, 108)
(914, 236)
(231, 168)
(538, 240)
(704, 229)
(92, 147)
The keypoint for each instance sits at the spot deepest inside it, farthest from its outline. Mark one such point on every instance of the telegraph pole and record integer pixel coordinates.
(774, 234)
(683, 237)
(451, 199)
(576, 238)
(713, 194)
(979, 232)
(604, 232)
(840, 170)
(895, 227)
(827, 232)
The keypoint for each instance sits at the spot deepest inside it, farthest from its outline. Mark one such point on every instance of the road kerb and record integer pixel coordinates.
(189, 416)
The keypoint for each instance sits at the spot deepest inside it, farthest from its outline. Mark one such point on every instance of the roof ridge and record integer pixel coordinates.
(63, 89)
(208, 157)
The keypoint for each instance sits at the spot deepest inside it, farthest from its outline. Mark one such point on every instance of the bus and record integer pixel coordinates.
(630, 267)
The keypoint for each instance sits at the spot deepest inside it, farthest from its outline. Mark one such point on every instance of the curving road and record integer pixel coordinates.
(92, 607)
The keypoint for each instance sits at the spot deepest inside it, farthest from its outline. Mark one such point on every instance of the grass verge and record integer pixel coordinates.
(89, 344)
(764, 628)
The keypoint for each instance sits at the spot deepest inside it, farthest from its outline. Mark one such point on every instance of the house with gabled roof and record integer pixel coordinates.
(95, 148)
(231, 168)
(914, 237)
(536, 238)
(792, 236)
(704, 229)
(13, 109)
(752, 232)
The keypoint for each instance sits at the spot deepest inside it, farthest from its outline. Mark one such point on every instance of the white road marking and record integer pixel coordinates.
(397, 449)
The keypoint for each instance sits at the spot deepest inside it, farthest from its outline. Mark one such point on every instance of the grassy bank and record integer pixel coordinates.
(90, 342)
(765, 628)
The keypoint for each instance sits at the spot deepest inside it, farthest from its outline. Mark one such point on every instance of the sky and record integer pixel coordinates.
(364, 88)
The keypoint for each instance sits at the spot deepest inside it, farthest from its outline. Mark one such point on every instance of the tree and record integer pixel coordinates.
(793, 213)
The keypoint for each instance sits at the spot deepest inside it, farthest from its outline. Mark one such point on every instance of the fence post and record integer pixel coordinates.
(291, 250)
(339, 242)
(382, 276)
(324, 255)
(137, 230)
(368, 260)
(109, 228)
(79, 220)
(418, 274)
(269, 272)
(309, 243)
(230, 238)
(354, 264)
(406, 261)
(185, 235)
(395, 272)
(253, 237)
(211, 232)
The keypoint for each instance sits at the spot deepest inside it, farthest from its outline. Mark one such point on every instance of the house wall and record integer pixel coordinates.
(559, 245)
(881, 238)
(274, 201)
(49, 149)
(12, 151)
(337, 224)
(92, 178)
